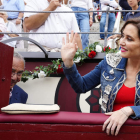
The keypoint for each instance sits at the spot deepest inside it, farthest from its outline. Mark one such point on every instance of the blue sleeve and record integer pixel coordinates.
(20, 5)
(136, 110)
(82, 84)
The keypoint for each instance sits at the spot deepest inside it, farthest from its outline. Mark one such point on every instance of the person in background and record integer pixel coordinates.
(98, 16)
(118, 74)
(95, 6)
(134, 6)
(17, 95)
(112, 4)
(15, 17)
(10, 28)
(49, 22)
(84, 20)
(3, 28)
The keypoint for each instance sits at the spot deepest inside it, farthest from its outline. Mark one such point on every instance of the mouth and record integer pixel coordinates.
(12, 84)
(123, 49)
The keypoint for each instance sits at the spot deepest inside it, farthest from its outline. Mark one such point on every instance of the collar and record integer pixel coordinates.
(116, 61)
(135, 12)
(122, 64)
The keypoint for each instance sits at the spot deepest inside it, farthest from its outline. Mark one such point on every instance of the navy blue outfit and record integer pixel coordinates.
(18, 95)
(130, 15)
(111, 74)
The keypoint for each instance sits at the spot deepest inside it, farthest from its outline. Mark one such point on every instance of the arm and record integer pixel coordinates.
(25, 3)
(19, 19)
(90, 17)
(110, 3)
(35, 21)
(12, 35)
(66, 1)
(117, 118)
(0, 3)
(79, 84)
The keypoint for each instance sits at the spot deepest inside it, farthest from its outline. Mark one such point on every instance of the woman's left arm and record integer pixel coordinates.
(117, 118)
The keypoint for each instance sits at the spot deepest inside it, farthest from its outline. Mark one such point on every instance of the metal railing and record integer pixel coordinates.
(40, 46)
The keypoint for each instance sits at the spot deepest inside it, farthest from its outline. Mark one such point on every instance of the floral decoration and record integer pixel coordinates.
(56, 66)
(92, 54)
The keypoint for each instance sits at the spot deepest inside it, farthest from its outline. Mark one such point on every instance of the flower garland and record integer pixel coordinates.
(56, 66)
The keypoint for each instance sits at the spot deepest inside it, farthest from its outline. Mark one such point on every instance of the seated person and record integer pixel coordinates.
(17, 95)
(49, 22)
(10, 28)
(3, 28)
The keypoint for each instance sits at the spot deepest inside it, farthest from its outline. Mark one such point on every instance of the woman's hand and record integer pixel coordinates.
(117, 118)
(113, 36)
(69, 49)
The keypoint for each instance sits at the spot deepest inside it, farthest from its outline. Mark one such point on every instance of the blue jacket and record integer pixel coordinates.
(130, 15)
(111, 74)
(18, 95)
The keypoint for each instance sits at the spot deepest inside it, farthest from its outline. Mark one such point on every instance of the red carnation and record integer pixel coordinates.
(92, 54)
(59, 70)
(106, 49)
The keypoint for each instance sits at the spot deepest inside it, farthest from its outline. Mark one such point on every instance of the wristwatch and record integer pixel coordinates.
(20, 18)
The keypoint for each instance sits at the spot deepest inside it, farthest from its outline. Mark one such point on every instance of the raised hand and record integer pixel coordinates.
(69, 49)
(54, 4)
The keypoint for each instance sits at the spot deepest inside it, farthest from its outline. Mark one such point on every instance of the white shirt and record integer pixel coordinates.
(111, 3)
(27, 1)
(10, 28)
(87, 4)
(56, 22)
(3, 27)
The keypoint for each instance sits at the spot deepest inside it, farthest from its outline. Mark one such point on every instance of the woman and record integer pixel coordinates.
(118, 74)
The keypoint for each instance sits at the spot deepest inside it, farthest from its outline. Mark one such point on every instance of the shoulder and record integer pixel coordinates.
(113, 59)
(19, 90)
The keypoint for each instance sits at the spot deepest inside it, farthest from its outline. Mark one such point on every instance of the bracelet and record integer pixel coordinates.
(124, 112)
(19, 18)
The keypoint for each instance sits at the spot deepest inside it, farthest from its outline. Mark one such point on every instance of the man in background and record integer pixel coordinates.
(112, 4)
(17, 95)
(49, 22)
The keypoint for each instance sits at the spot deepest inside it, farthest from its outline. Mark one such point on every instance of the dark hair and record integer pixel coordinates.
(133, 21)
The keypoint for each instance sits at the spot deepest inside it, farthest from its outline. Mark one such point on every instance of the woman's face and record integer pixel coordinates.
(130, 42)
(132, 3)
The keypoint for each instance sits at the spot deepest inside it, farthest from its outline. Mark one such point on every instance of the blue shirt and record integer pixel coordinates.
(13, 5)
(111, 74)
(130, 15)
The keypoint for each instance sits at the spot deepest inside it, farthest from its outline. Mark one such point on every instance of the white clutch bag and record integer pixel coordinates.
(19, 108)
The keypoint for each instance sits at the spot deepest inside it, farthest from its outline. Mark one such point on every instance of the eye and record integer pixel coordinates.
(129, 38)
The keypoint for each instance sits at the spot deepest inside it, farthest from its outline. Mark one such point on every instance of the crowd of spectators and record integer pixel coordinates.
(60, 22)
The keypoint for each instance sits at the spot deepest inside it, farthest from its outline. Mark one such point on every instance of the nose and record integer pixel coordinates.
(122, 41)
(14, 77)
